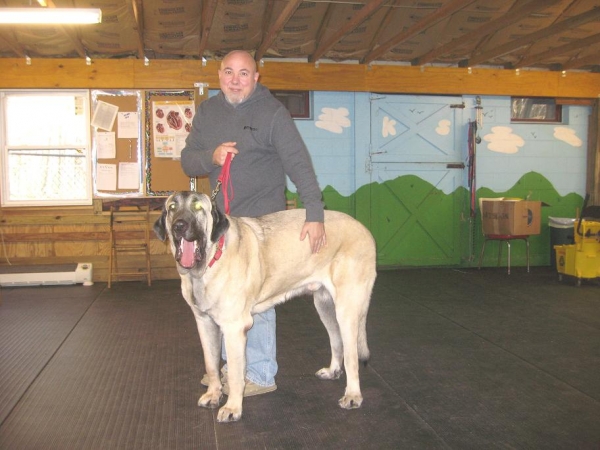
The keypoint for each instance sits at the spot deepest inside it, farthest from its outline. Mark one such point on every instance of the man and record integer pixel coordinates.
(244, 119)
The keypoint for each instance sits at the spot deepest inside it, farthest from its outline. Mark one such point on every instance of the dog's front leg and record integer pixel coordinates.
(210, 338)
(235, 345)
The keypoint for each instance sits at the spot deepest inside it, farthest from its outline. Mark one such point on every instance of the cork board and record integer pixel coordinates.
(116, 143)
(168, 119)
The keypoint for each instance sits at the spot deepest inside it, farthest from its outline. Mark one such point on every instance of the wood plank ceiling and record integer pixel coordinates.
(529, 34)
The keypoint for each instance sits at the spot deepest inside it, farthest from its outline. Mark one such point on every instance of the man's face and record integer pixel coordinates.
(238, 77)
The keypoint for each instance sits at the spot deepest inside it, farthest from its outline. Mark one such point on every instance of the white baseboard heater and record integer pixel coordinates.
(65, 274)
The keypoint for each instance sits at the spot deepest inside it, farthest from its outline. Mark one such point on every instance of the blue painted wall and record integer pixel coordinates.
(557, 151)
(338, 138)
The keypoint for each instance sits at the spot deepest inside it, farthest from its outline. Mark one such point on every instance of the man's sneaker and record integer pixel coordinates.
(251, 389)
(204, 380)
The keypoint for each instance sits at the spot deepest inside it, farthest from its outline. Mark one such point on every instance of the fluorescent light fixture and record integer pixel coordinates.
(50, 15)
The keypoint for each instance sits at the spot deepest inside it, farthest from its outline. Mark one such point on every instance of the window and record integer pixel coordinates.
(534, 109)
(298, 103)
(45, 148)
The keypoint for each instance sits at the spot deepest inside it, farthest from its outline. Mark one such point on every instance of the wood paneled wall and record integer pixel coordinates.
(52, 236)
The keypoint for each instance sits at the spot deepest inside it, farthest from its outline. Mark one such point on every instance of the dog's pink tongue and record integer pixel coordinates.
(188, 257)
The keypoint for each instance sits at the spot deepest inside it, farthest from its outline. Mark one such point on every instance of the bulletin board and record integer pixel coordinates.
(117, 143)
(168, 120)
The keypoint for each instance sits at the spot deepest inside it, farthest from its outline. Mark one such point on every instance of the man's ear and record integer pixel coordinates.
(220, 223)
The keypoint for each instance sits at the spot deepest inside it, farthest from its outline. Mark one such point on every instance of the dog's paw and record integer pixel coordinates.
(329, 374)
(350, 401)
(227, 414)
(210, 400)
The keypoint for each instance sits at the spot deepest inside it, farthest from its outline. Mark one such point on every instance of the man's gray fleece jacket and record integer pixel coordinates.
(269, 145)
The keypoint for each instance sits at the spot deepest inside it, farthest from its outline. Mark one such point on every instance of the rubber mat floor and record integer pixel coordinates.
(460, 359)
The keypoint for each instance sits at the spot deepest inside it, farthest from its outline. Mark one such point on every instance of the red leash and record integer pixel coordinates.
(223, 180)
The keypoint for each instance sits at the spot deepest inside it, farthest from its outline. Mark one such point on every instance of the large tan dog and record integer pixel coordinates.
(264, 263)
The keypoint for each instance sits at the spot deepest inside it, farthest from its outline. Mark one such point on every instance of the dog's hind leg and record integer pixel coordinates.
(351, 316)
(210, 338)
(326, 310)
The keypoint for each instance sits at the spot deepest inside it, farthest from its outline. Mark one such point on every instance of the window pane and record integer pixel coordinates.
(535, 109)
(45, 148)
(45, 120)
(48, 175)
(298, 103)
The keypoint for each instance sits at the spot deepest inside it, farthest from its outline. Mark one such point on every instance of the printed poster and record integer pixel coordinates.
(171, 124)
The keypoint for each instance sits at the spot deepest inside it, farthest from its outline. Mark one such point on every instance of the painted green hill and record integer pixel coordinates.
(443, 233)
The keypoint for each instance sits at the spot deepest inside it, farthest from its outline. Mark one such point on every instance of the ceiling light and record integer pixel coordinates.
(50, 15)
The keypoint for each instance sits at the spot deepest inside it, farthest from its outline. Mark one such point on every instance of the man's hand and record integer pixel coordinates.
(220, 153)
(316, 235)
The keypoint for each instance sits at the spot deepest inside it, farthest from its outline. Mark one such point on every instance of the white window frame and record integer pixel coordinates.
(85, 149)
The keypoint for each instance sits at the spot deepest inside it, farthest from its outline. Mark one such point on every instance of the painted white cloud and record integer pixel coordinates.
(567, 135)
(389, 127)
(443, 127)
(502, 140)
(333, 119)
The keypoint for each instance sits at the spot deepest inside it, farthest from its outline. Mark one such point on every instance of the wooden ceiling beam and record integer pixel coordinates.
(209, 8)
(427, 22)
(131, 73)
(552, 30)
(385, 23)
(324, 22)
(570, 47)
(266, 19)
(136, 6)
(512, 16)
(75, 40)
(365, 12)
(14, 46)
(576, 63)
(71, 34)
(288, 11)
(12, 41)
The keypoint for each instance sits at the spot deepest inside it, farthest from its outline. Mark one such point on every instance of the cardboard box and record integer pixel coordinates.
(515, 217)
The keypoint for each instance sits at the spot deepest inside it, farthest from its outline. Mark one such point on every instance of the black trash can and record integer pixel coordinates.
(562, 232)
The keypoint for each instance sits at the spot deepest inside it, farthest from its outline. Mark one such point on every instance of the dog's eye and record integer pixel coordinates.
(197, 206)
(172, 206)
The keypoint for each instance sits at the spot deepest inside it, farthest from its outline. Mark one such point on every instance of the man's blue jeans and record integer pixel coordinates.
(261, 349)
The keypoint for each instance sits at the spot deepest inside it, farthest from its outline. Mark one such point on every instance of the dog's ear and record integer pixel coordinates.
(160, 226)
(220, 223)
